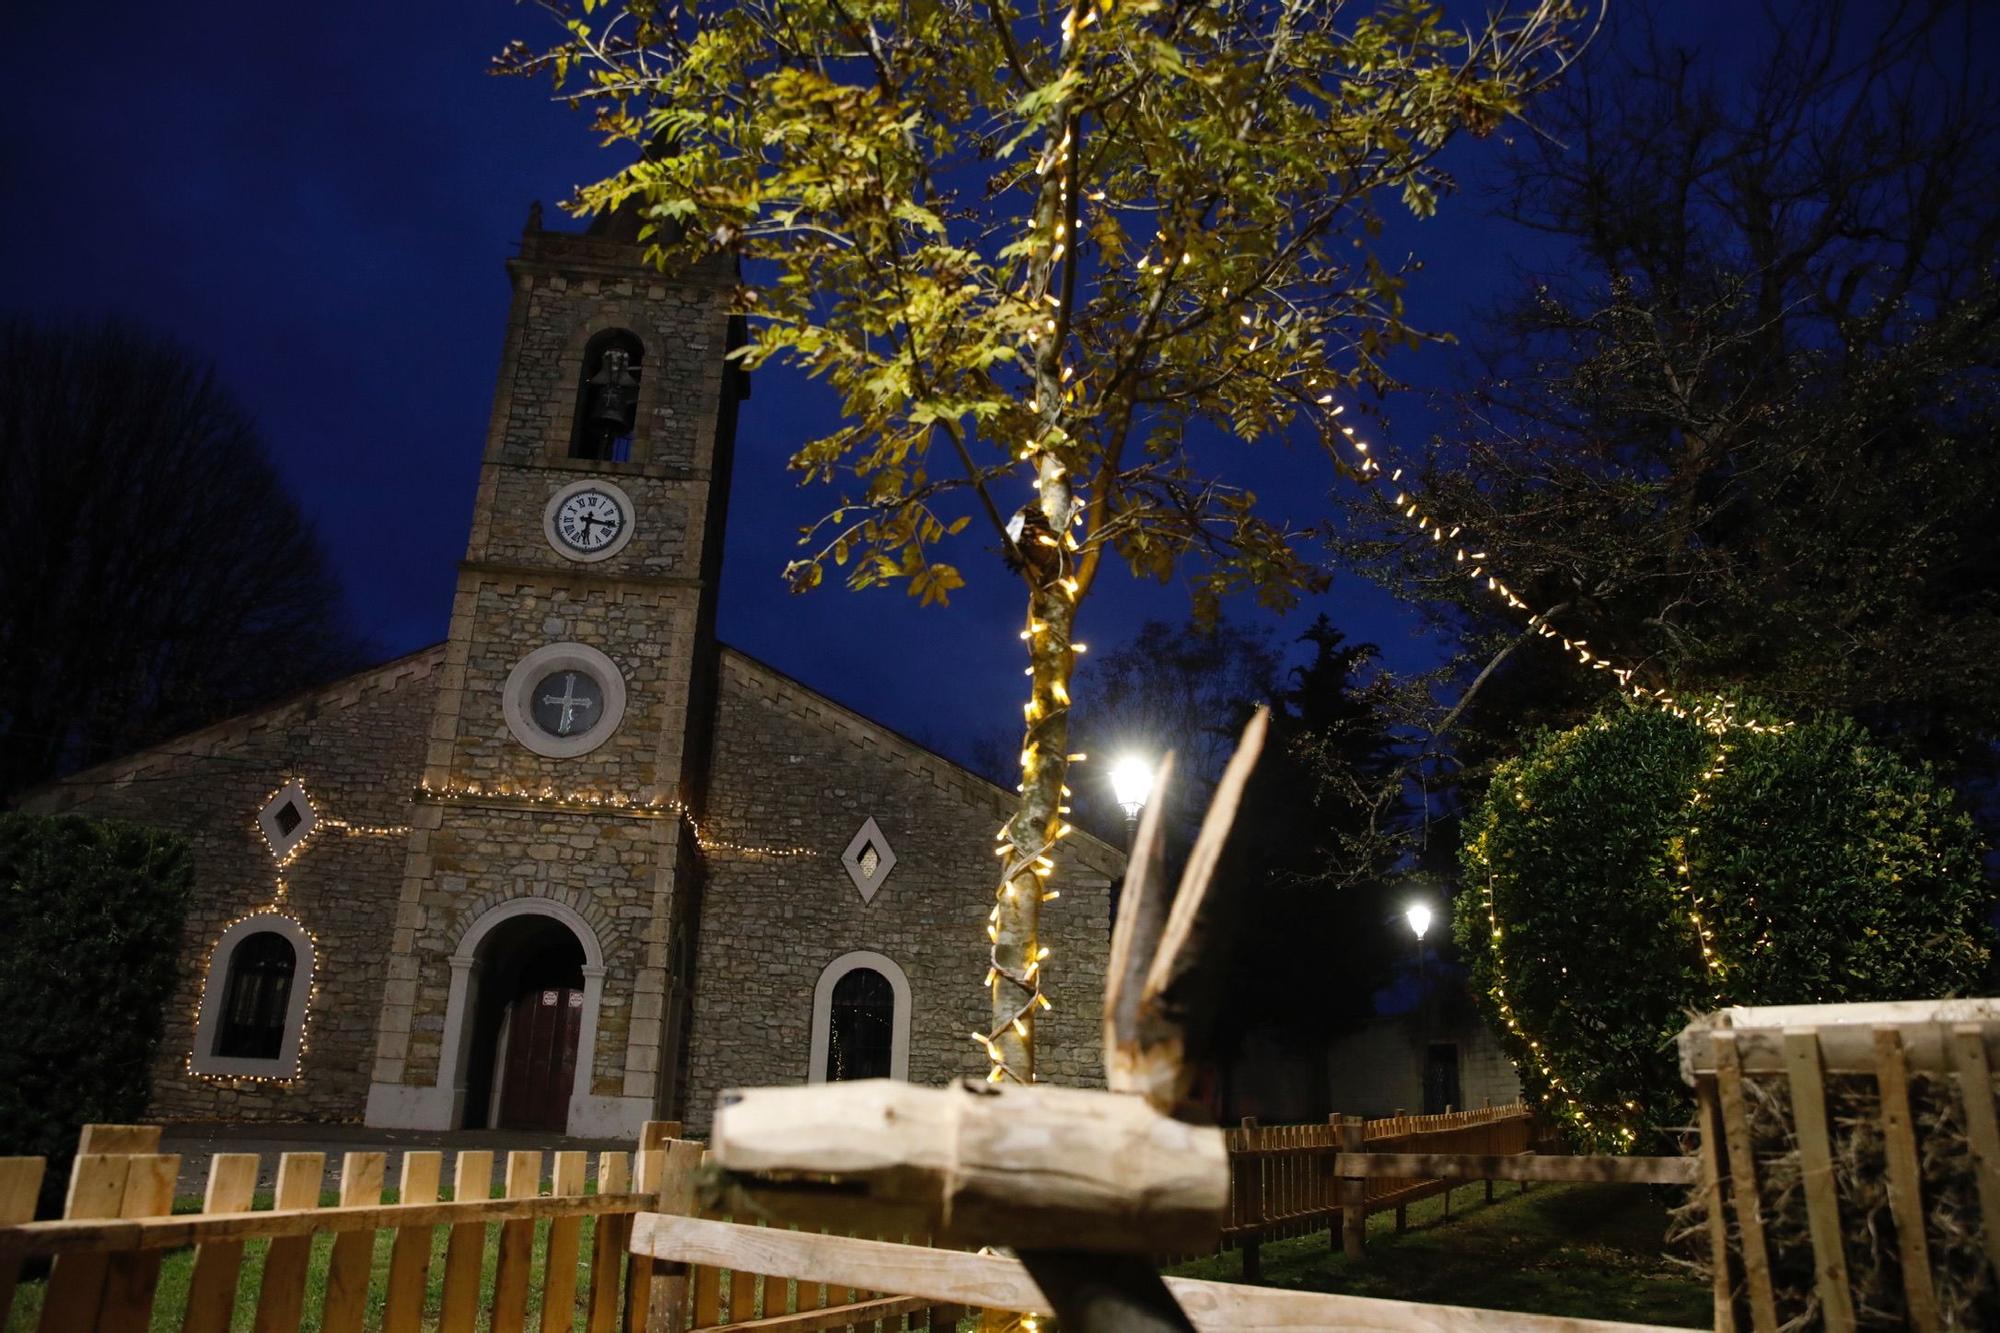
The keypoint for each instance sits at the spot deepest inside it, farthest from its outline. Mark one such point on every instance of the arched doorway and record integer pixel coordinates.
(527, 1025)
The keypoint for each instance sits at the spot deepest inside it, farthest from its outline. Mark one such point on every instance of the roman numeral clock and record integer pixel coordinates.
(588, 520)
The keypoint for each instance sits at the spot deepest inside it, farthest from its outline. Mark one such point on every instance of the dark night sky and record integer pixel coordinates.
(321, 197)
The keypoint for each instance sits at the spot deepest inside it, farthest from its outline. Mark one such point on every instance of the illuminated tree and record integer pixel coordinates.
(1072, 250)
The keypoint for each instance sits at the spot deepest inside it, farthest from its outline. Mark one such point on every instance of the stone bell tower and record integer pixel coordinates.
(538, 972)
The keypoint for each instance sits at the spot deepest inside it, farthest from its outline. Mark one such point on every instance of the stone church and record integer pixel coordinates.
(582, 865)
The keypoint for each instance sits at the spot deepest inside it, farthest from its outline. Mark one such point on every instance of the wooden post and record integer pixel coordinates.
(666, 1303)
(1906, 1204)
(1330, 1193)
(608, 1246)
(1808, 1086)
(130, 1278)
(1353, 1204)
(1982, 1127)
(1743, 1190)
(1714, 1171)
(1250, 1180)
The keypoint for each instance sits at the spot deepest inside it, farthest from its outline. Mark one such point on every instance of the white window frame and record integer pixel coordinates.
(203, 1059)
(528, 673)
(822, 1019)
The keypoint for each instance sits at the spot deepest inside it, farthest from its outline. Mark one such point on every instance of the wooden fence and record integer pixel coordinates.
(560, 1258)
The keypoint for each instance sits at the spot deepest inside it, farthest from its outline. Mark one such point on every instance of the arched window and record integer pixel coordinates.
(607, 398)
(252, 1021)
(861, 1026)
(861, 1020)
(257, 999)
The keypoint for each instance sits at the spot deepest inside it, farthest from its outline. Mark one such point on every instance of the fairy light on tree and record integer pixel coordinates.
(1035, 250)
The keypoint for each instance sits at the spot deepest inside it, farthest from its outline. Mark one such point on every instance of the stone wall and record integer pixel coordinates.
(1378, 1069)
(793, 769)
(358, 747)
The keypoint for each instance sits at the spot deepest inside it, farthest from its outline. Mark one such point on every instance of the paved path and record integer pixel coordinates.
(197, 1141)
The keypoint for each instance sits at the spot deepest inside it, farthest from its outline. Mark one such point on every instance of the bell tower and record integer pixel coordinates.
(566, 742)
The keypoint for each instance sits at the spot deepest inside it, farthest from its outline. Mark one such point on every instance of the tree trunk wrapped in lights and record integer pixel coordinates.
(1035, 249)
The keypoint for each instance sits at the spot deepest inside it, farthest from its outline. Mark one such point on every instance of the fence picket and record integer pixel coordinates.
(1906, 1205)
(607, 1250)
(565, 1239)
(20, 1186)
(472, 1178)
(410, 1255)
(517, 1246)
(232, 1185)
(130, 1279)
(281, 1295)
(353, 1256)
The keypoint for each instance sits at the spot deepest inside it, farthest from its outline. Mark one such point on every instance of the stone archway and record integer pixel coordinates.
(522, 950)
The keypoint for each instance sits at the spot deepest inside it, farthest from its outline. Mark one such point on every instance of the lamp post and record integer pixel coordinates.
(1132, 785)
(1419, 917)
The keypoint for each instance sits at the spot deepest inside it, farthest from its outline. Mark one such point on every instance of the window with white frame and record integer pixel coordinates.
(253, 1006)
(861, 1020)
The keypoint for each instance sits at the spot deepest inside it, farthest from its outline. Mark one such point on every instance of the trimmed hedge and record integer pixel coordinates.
(90, 927)
(1821, 867)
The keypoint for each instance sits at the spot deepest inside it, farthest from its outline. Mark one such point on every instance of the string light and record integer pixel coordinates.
(271, 909)
(547, 798)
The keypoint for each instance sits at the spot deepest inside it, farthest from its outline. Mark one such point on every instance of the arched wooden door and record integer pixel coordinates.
(539, 1054)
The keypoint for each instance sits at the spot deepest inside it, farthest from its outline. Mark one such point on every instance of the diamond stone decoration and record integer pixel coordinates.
(287, 818)
(868, 860)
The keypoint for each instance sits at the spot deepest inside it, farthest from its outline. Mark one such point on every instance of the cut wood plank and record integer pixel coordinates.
(743, 1286)
(1714, 1170)
(607, 1247)
(707, 1301)
(472, 1179)
(1982, 1129)
(1526, 1166)
(1808, 1085)
(353, 1255)
(131, 1278)
(410, 1255)
(20, 1186)
(565, 1238)
(517, 1246)
(1906, 1201)
(75, 1287)
(282, 1294)
(1003, 1284)
(1743, 1188)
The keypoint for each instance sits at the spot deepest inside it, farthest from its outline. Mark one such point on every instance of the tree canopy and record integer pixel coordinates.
(1735, 431)
(156, 573)
(1036, 250)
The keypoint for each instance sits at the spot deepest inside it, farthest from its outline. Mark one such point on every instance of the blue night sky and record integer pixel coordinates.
(321, 198)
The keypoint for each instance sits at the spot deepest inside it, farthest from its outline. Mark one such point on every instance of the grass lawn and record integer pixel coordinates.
(1593, 1251)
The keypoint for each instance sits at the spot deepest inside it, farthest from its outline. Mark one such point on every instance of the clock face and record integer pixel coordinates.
(589, 521)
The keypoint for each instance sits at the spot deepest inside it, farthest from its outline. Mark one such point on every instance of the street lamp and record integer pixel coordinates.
(1419, 917)
(1131, 784)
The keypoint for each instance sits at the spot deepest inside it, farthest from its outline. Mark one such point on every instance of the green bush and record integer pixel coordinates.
(1641, 868)
(90, 928)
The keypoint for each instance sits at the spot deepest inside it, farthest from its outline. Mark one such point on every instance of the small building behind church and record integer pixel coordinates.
(582, 865)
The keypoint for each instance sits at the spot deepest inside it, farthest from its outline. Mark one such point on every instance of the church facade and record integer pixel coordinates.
(582, 865)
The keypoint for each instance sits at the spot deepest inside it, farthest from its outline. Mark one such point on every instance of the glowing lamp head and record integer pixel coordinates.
(1419, 917)
(1132, 784)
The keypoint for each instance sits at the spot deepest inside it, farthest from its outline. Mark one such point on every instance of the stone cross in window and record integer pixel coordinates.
(570, 702)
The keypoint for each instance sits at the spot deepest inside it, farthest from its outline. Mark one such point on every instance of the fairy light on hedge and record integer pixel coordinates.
(1680, 852)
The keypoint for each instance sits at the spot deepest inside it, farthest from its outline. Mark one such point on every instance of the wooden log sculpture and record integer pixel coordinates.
(1084, 1185)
